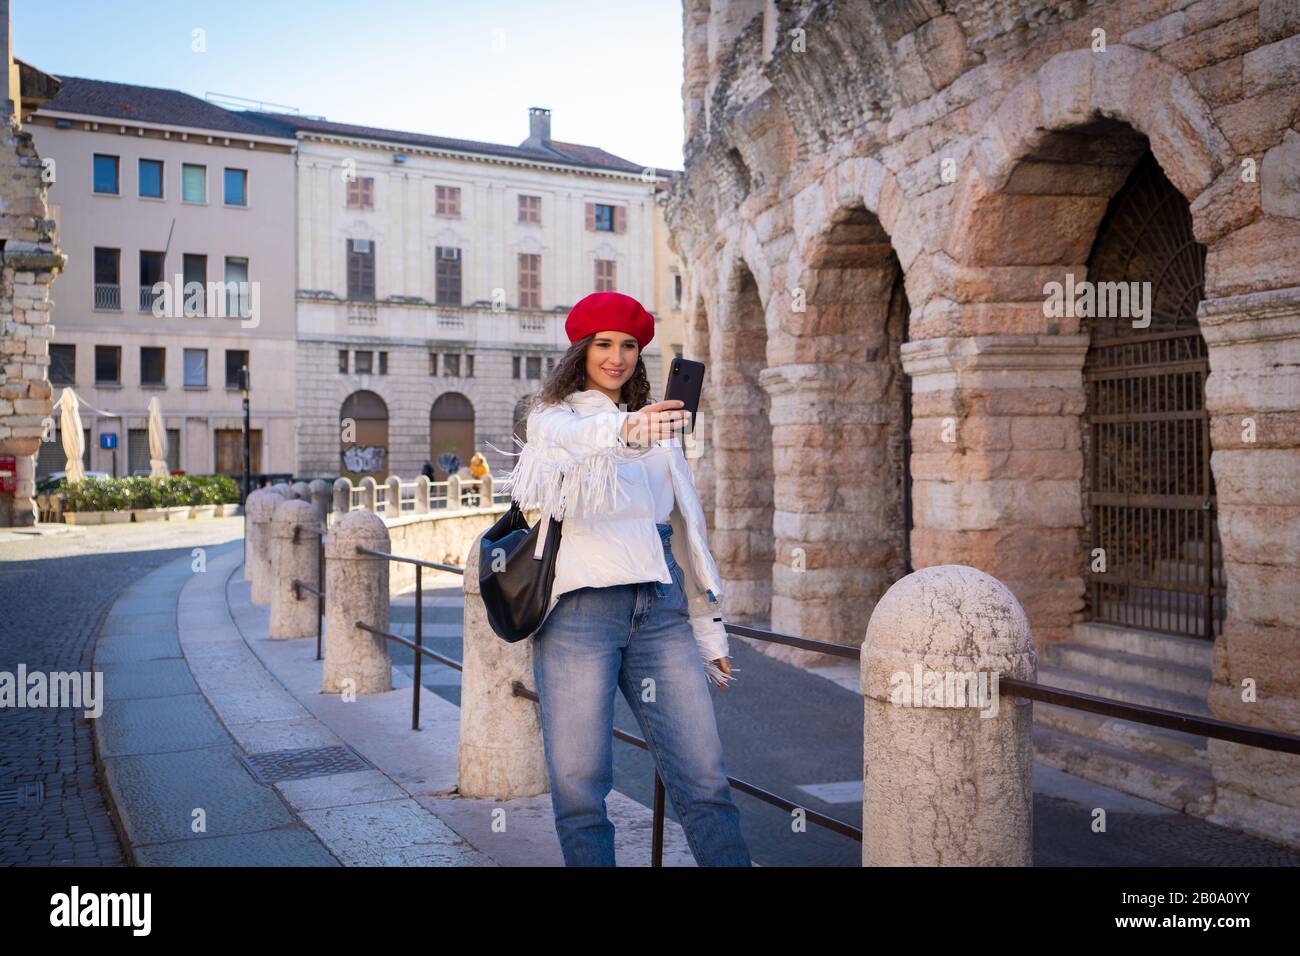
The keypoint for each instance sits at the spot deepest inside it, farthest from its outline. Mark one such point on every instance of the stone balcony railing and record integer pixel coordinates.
(396, 498)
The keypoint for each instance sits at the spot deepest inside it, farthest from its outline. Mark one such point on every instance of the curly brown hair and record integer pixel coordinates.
(570, 375)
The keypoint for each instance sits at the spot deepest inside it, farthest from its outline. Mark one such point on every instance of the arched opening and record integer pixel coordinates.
(742, 441)
(363, 431)
(1154, 557)
(451, 433)
(841, 410)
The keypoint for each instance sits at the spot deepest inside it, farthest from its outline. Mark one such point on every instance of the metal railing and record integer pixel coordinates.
(1029, 690)
(108, 296)
(148, 297)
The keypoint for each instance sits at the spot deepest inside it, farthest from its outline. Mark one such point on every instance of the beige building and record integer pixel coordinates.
(433, 280)
(1013, 284)
(177, 220)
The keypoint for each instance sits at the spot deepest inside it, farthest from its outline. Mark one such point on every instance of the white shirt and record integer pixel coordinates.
(660, 478)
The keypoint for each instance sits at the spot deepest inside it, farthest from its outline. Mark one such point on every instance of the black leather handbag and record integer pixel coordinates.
(516, 587)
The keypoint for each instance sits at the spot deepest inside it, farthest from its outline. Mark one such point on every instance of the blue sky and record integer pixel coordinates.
(610, 72)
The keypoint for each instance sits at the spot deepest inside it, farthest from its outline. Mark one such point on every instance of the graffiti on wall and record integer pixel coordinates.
(363, 458)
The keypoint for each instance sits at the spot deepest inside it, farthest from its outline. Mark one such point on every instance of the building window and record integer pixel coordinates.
(433, 363)
(235, 360)
(153, 365)
(195, 270)
(194, 183)
(447, 201)
(196, 368)
(451, 365)
(108, 365)
(469, 366)
(602, 217)
(106, 174)
(447, 288)
(677, 290)
(361, 192)
(239, 299)
(343, 361)
(236, 187)
(383, 363)
(605, 275)
(139, 458)
(514, 366)
(63, 364)
(530, 281)
(530, 209)
(533, 366)
(550, 364)
(108, 281)
(361, 270)
(151, 272)
(363, 362)
(151, 178)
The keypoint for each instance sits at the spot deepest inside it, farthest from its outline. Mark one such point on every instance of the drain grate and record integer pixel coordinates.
(24, 795)
(280, 765)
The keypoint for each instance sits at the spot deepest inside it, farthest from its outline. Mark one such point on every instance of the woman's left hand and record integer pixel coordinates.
(724, 665)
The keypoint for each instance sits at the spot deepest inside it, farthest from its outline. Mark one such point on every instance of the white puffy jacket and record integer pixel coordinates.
(576, 467)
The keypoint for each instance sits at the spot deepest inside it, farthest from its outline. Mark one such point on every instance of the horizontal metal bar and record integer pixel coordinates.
(424, 564)
(1112, 499)
(1153, 716)
(420, 649)
(849, 651)
(311, 589)
(828, 823)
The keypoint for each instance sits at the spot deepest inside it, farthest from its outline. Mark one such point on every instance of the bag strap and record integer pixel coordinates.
(543, 529)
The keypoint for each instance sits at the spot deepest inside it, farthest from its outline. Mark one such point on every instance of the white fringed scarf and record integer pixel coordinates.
(559, 486)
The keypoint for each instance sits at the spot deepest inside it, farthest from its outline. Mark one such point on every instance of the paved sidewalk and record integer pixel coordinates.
(195, 687)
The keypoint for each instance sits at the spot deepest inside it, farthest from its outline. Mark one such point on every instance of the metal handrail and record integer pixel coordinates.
(518, 689)
(1135, 713)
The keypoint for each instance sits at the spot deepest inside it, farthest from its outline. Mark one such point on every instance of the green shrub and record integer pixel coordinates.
(172, 491)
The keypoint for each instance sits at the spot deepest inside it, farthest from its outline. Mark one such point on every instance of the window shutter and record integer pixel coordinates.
(591, 217)
(620, 219)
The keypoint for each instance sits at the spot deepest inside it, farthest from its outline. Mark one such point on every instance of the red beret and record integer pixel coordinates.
(610, 312)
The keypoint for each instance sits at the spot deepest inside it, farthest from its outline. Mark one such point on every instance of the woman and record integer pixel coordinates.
(634, 603)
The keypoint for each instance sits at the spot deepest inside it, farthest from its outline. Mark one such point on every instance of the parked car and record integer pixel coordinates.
(55, 478)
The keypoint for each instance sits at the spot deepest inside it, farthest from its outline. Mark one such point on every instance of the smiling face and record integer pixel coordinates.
(611, 360)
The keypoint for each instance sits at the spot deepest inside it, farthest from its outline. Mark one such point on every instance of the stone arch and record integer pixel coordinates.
(742, 445)
(1076, 92)
(838, 394)
(696, 346)
(363, 436)
(451, 429)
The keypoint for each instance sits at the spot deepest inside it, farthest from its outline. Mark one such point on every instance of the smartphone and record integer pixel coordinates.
(685, 379)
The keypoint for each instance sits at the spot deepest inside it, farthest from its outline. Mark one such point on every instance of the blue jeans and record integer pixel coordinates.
(638, 637)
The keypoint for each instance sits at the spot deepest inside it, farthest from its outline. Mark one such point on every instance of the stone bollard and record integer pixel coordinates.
(453, 492)
(250, 536)
(368, 486)
(295, 543)
(947, 760)
(393, 508)
(282, 489)
(501, 754)
(485, 501)
(301, 491)
(422, 495)
(261, 508)
(356, 589)
(342, 496)
(320, 500)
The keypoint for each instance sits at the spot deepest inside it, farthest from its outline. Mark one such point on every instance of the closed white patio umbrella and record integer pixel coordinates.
(157, 441)
(74, 442)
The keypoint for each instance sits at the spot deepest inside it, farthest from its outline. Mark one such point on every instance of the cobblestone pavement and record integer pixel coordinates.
(54, 591)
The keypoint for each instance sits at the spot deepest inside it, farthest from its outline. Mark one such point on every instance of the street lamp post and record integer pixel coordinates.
(243, 394)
